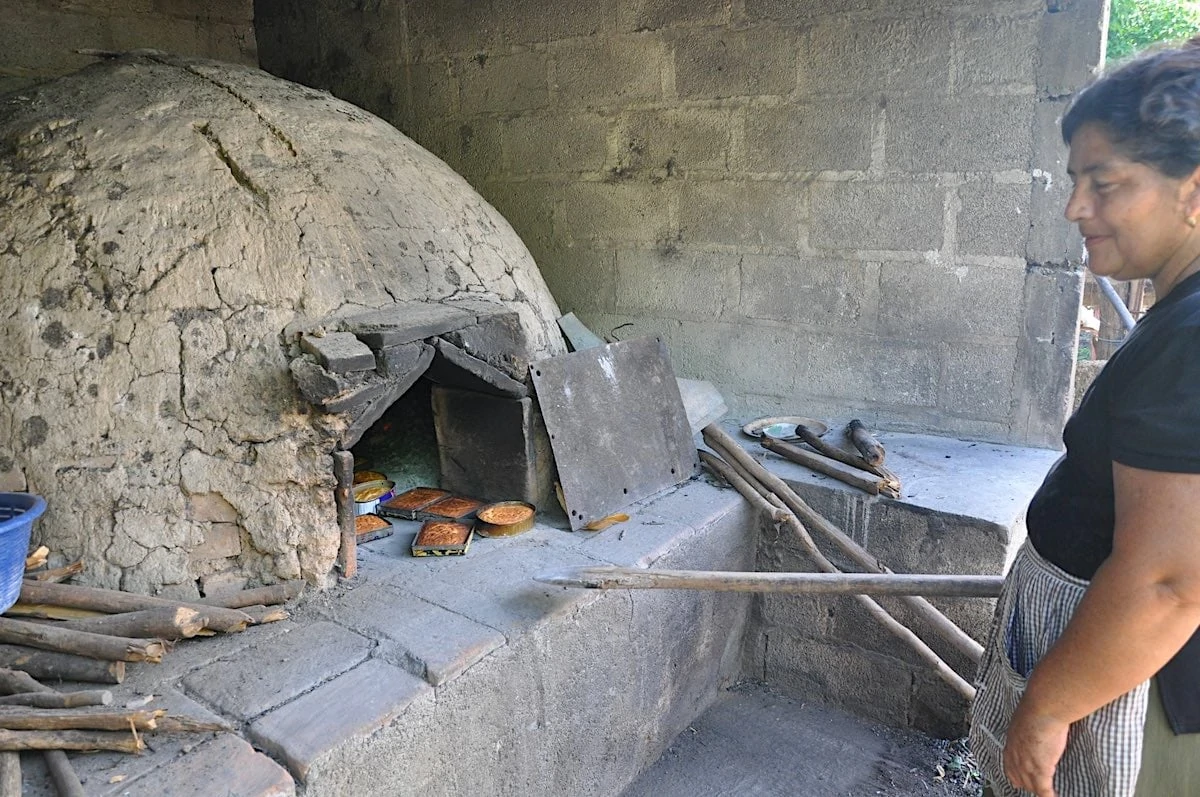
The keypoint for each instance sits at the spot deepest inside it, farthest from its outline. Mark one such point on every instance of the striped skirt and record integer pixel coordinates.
(1104, 749)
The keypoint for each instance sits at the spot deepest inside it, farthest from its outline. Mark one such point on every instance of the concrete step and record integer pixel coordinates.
(756, 743)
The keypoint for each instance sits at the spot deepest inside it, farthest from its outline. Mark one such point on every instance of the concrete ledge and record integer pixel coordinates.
(461, 675)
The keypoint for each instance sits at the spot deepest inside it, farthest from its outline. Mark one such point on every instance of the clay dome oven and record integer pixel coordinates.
(215, 279)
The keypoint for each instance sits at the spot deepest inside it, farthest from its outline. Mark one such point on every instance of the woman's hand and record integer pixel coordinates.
(1032, 749)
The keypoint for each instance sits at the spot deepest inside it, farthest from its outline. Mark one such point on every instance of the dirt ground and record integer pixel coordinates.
(755, 743)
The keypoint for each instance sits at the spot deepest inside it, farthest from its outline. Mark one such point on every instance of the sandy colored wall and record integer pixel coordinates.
(829, 208)
(39, 39)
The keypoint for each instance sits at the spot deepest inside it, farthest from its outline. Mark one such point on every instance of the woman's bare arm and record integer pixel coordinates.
(1140, 609)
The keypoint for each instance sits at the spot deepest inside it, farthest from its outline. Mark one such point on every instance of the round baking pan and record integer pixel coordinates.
(511, 517)
(783, 427)
(368, 495)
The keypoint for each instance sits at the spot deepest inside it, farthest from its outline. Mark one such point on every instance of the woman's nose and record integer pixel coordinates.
(1078, 208)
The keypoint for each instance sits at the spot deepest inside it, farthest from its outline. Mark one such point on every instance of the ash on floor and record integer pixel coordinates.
(754, 743)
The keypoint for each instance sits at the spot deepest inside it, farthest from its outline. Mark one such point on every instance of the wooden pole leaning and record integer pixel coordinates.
(942, 625)
(773, 508)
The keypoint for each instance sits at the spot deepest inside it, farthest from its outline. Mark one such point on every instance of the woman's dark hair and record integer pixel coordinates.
(1149, 107)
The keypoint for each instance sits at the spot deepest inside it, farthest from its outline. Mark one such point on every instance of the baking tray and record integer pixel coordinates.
(452, 507)
(407, 504)
(425, 547)
(378, 532)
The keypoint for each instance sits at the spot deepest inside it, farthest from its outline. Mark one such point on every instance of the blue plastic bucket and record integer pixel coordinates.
(17, 513)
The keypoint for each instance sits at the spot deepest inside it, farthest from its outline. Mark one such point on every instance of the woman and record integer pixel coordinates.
(1090, 685)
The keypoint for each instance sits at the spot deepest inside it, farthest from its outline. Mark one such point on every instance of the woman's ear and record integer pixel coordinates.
(1190, 195)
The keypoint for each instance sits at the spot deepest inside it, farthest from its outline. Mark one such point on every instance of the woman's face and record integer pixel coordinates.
(1133, 218)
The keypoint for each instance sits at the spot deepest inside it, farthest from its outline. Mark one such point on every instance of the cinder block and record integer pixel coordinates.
(612, 72)
(868, 684)
(978, 379)
(470, 145)
(849, 56)
(994, 219)
(789, 11)
(1046, 357)
(555, 144)
(735, 63)
(528, 206)
(532, 21)
(42, 39)
(683, 285)
(654, 14)
(439, 27)
(1070, 41)
(217, 10)
(756, 213)
(905, 216)
(966, 134)
(434, 88)
(759, 358)
(673, 140)
(807, 290)
(503, 83)
(901, 373)
(996, 53)
(809, 137)
(583, 280)
(632, 212)
(1052, 239)
(945, 302)
(339, 352)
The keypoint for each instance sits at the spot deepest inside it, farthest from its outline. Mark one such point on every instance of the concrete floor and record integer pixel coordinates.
(754, 743)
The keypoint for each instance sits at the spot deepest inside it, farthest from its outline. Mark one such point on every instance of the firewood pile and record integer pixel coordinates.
(62, 632)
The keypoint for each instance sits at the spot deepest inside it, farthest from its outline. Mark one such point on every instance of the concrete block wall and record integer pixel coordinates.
(833, 209)
(40, 40)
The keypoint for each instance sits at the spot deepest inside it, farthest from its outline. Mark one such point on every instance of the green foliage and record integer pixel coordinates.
(1136, 24)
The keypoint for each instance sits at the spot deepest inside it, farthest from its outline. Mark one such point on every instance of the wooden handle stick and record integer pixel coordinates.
(10, 774)
(942, 625)
(865, 442)
(111, 601)
(343, 472)
(84, 643)
(927, 654)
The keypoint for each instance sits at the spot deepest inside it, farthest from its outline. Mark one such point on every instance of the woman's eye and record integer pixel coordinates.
(1103, 188)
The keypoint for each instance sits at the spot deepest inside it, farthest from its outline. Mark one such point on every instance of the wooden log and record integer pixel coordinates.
(942, 625)
(167, 622)
(37, 558)
(865, 442)
(845, 457)
(43, 611)
(180, 724)
(259, 596)
(79, 699)
(872, 485)
(612, 577)
(10, 774)
(61, 666)
(755, 494)
(21, 719)
(63, 774)
(343, 473)
(266, 614)
(111, 601)
(71, 740)
(58, 574)
(66, 782)
(82, 643)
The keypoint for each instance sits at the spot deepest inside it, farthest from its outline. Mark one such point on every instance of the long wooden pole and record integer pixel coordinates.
(66, 781)
(942, 625)
(605, 577)
(111, 601)
(83, 643)
(343, 473)
(759, 497)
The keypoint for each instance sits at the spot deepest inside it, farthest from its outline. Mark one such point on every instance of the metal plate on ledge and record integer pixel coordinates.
(617, 425)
